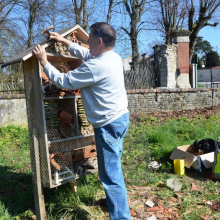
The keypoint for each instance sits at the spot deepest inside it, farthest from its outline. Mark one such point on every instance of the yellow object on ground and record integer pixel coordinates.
(179, 166)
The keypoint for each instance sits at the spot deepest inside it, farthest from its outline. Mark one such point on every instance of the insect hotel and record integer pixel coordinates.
(61, 139)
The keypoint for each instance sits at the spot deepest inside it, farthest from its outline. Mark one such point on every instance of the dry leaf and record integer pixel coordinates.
(215, 206)
(160, 183)
(133, 213)
(193, 188)
(155, 209)
(204, 217)
(160, 202)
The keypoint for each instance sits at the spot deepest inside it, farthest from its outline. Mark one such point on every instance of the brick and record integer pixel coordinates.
(84, 152)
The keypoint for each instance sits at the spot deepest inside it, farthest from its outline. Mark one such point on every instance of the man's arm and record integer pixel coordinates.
(76, 79)
(74, 48)
(57, 37)
(80, 52)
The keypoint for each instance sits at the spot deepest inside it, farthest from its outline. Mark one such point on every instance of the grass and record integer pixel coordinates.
(147, 140)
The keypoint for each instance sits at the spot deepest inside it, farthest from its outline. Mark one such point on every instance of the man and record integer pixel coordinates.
(101, 83)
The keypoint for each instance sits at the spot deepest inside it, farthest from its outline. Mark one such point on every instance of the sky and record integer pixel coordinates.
(212, 35)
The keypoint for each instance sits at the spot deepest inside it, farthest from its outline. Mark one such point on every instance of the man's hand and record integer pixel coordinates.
(40, 53)
(57, 37)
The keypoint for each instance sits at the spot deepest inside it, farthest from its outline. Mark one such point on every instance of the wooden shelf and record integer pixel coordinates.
(64, 97)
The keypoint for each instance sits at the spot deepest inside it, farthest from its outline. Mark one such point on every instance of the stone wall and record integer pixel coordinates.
(161, 100)
(168, 65)
(13, 111)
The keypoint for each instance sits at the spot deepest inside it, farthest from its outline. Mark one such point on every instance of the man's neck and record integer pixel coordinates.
(106, 49)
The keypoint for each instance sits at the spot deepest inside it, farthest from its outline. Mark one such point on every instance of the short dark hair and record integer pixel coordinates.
(104, 31)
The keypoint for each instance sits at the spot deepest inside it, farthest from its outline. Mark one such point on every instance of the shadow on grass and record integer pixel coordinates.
(16, 192)
(16, 196)
(195, 174)
(63, 203)
(190, 173)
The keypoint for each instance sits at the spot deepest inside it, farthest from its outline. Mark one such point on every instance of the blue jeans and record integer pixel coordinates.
(109, 145)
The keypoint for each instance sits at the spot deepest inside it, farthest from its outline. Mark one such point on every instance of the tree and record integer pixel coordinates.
(82, 13)
(57, 14)
(199, 16)
(29, 12)
(8, 31)
(212, 59)
(172, 17)
(8, 37)
(202, 47)
(6, 7)
(109, 10)
(111, 5)
(135, 10)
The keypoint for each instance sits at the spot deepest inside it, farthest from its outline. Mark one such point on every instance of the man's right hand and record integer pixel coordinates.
(40, 53)
(59, 38)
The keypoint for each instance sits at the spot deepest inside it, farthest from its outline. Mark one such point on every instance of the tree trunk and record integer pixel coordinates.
(30, 28)
(33, 6)
(135, 10)
(170, 19)
(109, 10)
(85, 16)
(134, 46)
(77, 11)
(81, 11)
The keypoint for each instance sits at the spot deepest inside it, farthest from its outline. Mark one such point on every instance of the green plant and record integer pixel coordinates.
(146, 141)
(4, 215)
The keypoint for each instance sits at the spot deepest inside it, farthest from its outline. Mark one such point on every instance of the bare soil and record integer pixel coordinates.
(191, 113)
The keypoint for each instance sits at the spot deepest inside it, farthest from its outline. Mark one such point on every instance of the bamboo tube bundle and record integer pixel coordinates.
(85, 126)
(81, 113)
(50, 114)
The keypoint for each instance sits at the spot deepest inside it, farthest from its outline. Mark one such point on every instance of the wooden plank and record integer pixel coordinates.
(36, 178)
(30, 71)
(36, 115)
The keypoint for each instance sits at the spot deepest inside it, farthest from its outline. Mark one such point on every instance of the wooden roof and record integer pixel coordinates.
(81, 35)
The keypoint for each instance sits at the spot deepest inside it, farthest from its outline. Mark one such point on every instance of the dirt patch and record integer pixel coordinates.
(191, 113)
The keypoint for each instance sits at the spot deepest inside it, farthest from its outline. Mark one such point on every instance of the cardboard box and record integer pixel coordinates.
(199, 163)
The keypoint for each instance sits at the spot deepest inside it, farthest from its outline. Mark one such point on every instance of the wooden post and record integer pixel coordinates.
(36, 132)
(36, 178)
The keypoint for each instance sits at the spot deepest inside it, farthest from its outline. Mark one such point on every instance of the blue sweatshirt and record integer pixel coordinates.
(101, 83)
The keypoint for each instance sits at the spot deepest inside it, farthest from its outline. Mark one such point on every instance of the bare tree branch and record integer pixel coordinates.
(135, 10)
(206, 10)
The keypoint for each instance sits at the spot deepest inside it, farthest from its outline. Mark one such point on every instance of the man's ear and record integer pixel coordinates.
(99, 41)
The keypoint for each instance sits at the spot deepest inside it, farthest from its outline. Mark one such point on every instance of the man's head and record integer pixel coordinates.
(102, 38)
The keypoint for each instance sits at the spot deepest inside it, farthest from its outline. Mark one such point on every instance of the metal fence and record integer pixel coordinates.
(144, 78)
(11, 88)
(12, 79)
